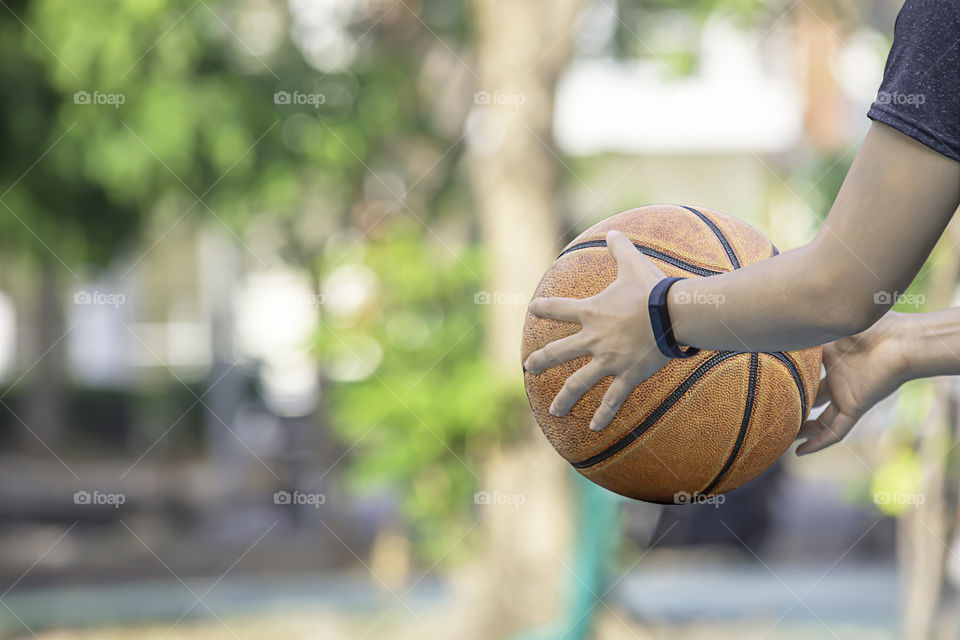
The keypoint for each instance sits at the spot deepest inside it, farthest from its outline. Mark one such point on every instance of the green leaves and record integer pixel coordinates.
(421, 420)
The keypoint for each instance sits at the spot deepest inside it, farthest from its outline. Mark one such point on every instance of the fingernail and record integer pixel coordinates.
(553, 411)
(594, 426)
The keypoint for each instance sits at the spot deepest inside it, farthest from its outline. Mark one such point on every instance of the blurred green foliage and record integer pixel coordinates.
(187, 124)
(421, 422)
(193, 117)
(119, 118)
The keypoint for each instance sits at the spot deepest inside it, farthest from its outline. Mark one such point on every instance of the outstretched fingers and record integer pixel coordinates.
(576, 385)
(613, 399)
(556, 352)
(566, 309)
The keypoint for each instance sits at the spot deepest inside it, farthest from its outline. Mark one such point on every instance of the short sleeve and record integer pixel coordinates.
(920, 93)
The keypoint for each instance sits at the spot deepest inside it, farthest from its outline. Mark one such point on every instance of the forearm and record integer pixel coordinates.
(892, 208)
(930, 343)
(772, 305)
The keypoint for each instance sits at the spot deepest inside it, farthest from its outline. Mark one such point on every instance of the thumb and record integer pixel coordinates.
(836, 425)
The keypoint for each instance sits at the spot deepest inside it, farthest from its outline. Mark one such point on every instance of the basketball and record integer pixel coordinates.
(699, 426)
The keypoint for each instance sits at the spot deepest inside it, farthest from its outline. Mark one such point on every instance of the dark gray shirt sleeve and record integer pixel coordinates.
(920, 93)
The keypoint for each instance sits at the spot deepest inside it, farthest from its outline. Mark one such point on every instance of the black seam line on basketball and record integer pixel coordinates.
(653, 253)
(716, 231)
(657, 413)
(744, 423)
(785, 359)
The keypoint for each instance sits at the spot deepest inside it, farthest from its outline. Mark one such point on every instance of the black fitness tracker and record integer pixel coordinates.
(660, 321)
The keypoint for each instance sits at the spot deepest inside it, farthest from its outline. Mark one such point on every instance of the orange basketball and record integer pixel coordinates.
(699, 426)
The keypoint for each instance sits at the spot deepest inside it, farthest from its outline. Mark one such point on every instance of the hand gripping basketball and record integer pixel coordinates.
(615, 332)
(664, 429)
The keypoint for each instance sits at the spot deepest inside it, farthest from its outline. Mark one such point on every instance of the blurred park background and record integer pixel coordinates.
(264, 266)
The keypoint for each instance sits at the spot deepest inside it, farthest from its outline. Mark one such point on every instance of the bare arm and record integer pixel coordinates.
(865, 368)
(893, 206)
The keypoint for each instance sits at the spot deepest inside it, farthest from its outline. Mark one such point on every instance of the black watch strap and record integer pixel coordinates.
(660, 321)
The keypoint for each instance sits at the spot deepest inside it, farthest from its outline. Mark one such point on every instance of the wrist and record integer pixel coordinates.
(898, 337)
(678, 299)
(661, 321)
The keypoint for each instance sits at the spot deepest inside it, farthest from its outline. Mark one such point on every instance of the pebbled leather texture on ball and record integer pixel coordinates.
(682, 429)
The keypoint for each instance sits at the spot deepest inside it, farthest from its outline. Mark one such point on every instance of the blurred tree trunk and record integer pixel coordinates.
(824, 106)
(44, 414)
(948, 623)
(924, 531)
(521, 48)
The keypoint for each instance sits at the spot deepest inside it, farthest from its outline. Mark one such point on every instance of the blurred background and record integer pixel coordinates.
(263, 268)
